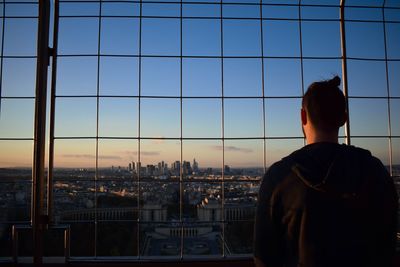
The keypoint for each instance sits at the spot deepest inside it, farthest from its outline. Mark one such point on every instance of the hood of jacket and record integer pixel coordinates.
(331, 168)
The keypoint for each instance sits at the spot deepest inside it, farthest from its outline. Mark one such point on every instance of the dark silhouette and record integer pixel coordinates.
(326, 204)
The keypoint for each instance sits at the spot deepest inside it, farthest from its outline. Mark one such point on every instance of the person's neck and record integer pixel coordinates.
(318, 137)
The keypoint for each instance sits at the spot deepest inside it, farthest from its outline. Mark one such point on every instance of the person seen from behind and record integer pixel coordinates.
(326, 204)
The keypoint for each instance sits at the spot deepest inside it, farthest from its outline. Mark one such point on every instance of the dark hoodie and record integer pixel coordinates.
(326, 205)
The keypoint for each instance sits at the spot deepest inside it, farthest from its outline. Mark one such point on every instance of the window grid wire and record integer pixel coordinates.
(96, 227)
(386, 60)
(223, 97)
(181, 187)
(139, 225)
(388, 91)
(222, 126)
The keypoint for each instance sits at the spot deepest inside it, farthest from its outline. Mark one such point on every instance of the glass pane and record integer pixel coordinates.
(163, 240)
(16, 199)
(201, 77)
(394, 78)
(282, 77)
(20, 37)
(160, 118)
(365, 40)
(117, 159)
(80, 9)
(312, 2)
(243, 118)
(205, 157)
(160, 201)
(377, 3)
(283, 117)
(118, 117)
(15, 155)
(241, 38)
(117, 239)
(74, 159)
(161, 37)
(200, 240)
(21, 10)
(242, 77)
(392, 14)
(6, 241)
(240, 11)
(160, 77)
(201, 118)
(117, 200)
(17, 118)
(13, 70)
(239, 236)
(120, 9)
(320, 69)
(203, 201)
(75, 117)
(281, 38)
(78, 36)
(120, 36)
(314, 45)
(159, 159)
(366, 78)
(203, 10)
(161, 10)
(370, 14)
(317, 12)
(74, 201)
(368, 117)
(119, 76)
(395, 116)
(379, 147)
(393, 38)
(76, 76)
(280, 12)
(201, 37)
(280, 148)
(244, 157)
(82, 239)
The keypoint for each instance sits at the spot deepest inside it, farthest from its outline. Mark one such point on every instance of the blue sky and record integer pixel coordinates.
(203, 76)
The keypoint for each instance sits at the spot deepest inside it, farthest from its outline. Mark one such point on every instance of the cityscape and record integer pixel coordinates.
(158, 205)
(155, 210)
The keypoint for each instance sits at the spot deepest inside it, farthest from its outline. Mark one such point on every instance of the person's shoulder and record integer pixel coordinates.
(282, 167)
(364, 155)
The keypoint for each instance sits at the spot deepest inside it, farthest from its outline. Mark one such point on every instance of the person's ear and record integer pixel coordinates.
(303, 116)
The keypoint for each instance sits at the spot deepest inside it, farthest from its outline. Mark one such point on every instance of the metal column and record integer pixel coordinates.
(344, 68)
(38, 218)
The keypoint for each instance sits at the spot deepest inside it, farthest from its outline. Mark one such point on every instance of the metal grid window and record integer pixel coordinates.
(142, 88)
(18, 31)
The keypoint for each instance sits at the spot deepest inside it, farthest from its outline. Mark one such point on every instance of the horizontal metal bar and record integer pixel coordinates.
(232, 3)
(228, 57)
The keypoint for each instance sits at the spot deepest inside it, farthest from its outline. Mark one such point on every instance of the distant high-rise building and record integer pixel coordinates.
(176, 167)
(186, 168)
(227, 169)
(195, 166)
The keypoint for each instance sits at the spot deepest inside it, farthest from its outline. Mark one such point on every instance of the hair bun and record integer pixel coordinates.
(335, 81)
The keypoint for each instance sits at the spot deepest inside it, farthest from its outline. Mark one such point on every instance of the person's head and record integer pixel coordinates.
(323, 109)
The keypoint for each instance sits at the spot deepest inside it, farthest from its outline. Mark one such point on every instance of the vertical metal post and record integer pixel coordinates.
(37, 204)
(14, 233)
(222, 129)
(344, 68)
(52, 114)
(388, 91)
